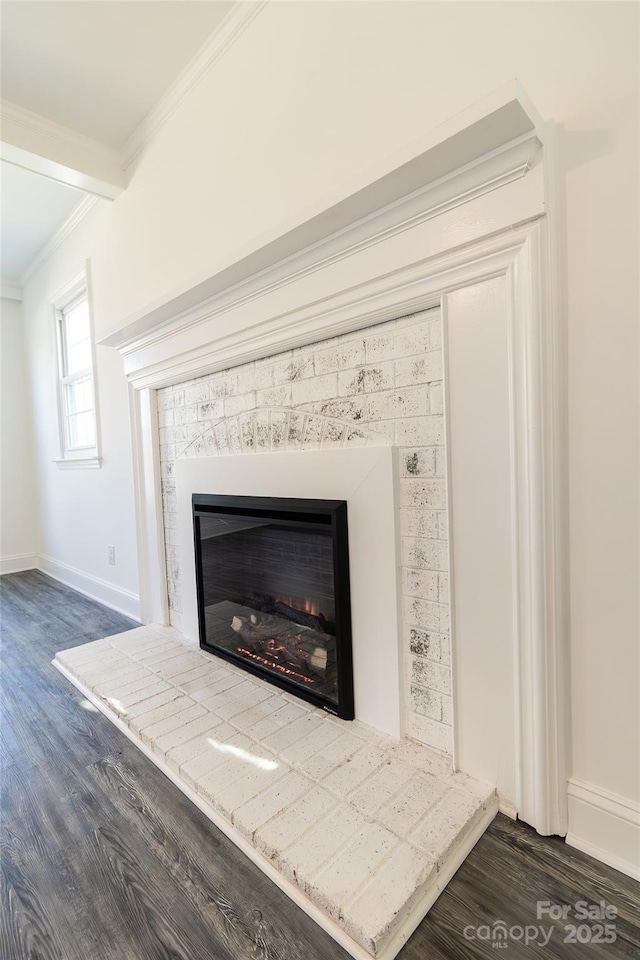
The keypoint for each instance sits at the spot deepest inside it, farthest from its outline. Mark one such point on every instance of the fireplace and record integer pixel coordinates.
(272, 583)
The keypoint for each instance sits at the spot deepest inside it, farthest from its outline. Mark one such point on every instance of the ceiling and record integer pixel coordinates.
(96, 67)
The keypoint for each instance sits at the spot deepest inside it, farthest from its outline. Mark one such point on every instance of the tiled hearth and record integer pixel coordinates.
(361, 830)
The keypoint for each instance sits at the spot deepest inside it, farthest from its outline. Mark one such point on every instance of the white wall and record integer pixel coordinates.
(81, 510)
(307, 99)
(17, 490)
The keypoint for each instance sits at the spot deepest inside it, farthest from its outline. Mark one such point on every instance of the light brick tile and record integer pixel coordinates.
(420, 431)
(285, 736)
(350, 775)
(203, 725)
(318, 388)
(366, 379)
(195, 746)
(392, 891)
(421, 613)
(356, 864)
(484, 792)
(426, 368)
(381, 786)
(211, 410)
(132, 640)
(174, 666)
(418, 463)
(419, 523)
(125, 702)
(323, 736)
(421, 758)
(420, 583)
(222, 386)
(151, 732)
(154, 654)
(336, 754)
(238, 779)
(446, 823)
(403, 812)
(307, 855)
(107, 674)
(437, 735)
(140, 682)
(341, 356)
(271, 802)
(228, 793)
(239, 404)
(219, 748)
(193, 673)
(431, 494)
(197, 392)
(412, 340)
(251, 718)
(379, 346)
(150, 703)
(428, 703)
(424, 643)
(271, 722)
(293, 369)
(161, 712)
(425, 554)
(432, 675)
(406, 402)
(206, 687)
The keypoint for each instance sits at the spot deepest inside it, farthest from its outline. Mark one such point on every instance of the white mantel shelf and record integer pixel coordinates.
(480, 149)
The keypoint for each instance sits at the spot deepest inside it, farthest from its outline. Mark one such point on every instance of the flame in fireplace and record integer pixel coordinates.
(275, 666)
(301, 603)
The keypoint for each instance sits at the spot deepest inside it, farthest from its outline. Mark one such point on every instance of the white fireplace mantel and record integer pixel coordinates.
(471, 205)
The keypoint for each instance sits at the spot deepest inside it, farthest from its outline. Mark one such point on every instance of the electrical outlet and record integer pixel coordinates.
(111, 554)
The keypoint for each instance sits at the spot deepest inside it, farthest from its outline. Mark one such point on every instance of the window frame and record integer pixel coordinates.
(68, 455)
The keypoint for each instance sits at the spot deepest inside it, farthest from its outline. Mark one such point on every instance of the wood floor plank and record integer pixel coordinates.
(103, 858)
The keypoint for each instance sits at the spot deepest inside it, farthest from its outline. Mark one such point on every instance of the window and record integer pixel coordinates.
(76, 393)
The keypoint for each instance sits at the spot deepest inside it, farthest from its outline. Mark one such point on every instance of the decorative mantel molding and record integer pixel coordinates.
(488, 146)
(475, 221)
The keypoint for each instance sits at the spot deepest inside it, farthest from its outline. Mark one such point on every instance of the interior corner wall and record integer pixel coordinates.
(307, 99)
(17, 494)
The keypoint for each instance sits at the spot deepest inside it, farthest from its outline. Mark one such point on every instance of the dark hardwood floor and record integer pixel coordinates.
(104, 859)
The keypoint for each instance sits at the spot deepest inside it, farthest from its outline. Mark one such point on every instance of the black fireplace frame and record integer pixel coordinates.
(301, 513)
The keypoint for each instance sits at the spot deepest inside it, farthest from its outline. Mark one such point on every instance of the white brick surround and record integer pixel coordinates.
(378, 385)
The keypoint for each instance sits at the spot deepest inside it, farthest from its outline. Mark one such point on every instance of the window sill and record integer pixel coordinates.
(86, 463)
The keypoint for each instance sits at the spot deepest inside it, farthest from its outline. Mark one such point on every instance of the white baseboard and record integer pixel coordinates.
(605, 825)
(119, 599)
(507, 807)
(18, 562)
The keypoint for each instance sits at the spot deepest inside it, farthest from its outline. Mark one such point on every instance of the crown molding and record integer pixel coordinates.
(225, 35)
(10, 291)
(77, 214)
(36, 143)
